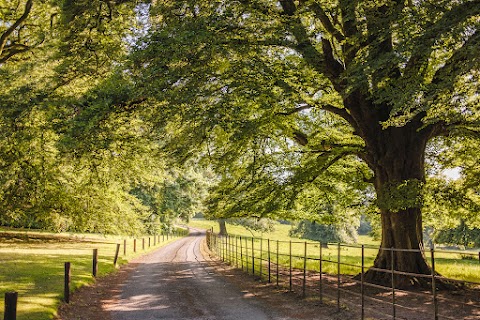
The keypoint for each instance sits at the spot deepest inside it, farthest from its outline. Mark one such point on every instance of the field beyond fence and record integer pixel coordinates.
(325, 272)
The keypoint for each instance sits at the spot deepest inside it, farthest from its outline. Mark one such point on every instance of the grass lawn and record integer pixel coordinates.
(449, 264)
(34, 266)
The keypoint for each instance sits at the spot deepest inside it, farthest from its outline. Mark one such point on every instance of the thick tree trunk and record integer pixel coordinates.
(397, 159)
(402, 237)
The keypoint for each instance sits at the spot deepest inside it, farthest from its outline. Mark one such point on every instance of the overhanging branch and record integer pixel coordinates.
(15, 25)
(326, 22)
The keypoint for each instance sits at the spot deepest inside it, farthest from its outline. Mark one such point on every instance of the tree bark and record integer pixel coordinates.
(402, 237)
(397, 157)
(223, 227)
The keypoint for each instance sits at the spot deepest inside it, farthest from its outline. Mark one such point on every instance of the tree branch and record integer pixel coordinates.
(18, 22)
(10, 53)
(327, 24)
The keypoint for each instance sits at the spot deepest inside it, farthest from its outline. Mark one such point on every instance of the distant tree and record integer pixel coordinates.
(365, 226)
(324, 233)
(460, 235)
(254, 224)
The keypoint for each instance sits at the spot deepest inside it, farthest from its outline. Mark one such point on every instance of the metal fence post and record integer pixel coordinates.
(304, 285)
(241, 252)
(236, 251)
(338, 276)
(246, 255)
(224, 247)
(321, 273)
(362, 288)
(261, 258)
(227, 248)
(277, 265)
(392, 261)
(269, 265)
(253, 257)
(434, 286)
(290, 266)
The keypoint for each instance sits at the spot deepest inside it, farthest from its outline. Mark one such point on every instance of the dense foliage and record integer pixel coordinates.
(294, 105)
(74, 157)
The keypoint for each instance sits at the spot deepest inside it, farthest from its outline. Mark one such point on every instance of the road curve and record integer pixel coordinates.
(175, 282)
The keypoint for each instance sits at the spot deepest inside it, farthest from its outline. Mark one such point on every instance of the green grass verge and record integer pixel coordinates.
(449, 264)
(32, 263)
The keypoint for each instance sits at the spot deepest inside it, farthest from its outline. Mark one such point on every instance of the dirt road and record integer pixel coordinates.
(175, 282)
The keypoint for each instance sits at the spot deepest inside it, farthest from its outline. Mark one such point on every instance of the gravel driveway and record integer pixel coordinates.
(175, 282)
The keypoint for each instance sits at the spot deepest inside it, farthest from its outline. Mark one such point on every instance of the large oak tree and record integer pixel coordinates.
(293, 100)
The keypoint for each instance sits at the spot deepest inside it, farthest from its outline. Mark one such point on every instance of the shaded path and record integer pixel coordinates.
(175, 282)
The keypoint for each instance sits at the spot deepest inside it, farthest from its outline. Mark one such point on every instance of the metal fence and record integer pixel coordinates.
(320, 270)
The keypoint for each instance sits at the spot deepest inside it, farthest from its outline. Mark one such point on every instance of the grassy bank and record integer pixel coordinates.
(32, 263)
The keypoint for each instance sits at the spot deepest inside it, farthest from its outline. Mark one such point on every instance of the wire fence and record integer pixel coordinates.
(325, 271)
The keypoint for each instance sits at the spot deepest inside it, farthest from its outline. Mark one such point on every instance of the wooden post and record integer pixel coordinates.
(95, 262)
(66, 282)
(434, 286)
(149, 242)
(116, 254)
(11, 299)
(143, 243)
(304, 286)
(124, 247)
